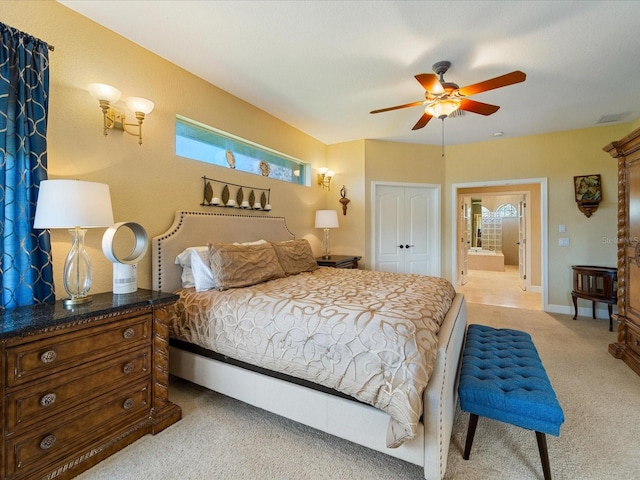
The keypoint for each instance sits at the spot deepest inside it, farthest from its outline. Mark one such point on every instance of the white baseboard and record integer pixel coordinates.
(602, 310)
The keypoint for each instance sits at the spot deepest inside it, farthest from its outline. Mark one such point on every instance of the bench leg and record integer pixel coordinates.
(473, 423)
(544, 454)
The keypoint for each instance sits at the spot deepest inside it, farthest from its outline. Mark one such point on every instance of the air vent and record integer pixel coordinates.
(616, 117)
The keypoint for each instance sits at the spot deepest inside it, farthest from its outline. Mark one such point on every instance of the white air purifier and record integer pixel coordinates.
(125, 268)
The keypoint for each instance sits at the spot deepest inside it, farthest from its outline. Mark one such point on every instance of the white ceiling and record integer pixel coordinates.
(321, 66)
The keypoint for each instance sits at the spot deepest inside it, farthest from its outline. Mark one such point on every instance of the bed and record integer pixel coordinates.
(287, 393)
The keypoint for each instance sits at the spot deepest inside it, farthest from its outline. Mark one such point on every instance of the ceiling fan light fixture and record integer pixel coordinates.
(443, 108)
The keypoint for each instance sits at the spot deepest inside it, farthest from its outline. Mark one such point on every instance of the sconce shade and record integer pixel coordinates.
(139, 104)
(326, 219)
(102, 91)
(73, 203)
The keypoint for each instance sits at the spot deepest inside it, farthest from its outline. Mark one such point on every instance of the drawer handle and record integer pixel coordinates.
(128, 333)
(128, 368)
(128, 403)
(48, 399)
(48, 356)
(47, 442)
(637, 343)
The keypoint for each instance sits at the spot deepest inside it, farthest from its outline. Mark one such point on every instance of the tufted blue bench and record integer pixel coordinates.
(502, 378)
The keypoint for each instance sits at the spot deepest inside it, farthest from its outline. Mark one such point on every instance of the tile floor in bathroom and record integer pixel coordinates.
(499, 288)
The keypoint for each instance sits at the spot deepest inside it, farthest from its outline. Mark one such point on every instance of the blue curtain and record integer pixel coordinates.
(26, 271)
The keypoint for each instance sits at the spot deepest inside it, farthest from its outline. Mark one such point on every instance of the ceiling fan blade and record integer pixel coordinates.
(424, 119)
(478, 107)
(429, 82)
(414, 104)
(502, 81)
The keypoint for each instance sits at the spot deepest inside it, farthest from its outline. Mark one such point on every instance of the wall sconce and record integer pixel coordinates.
(324, 177)
(111, 118)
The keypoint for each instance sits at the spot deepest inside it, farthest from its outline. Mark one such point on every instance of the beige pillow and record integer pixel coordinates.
(295, 256)
(243, 265)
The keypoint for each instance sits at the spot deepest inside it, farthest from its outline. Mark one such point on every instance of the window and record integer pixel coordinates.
(200, 142)
(507, 210)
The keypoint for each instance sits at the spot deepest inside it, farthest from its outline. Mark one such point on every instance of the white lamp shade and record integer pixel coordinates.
(326, 219)
(102, 91)
(139, 104)
(73, 203)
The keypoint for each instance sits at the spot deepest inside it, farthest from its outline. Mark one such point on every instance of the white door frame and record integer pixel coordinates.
(544, 242)
(437, 238)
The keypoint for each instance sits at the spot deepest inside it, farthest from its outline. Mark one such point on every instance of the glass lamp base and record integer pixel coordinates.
(326, 245)
(72, 302)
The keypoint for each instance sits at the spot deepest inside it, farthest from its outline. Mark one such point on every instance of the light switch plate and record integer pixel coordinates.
(562, 228)
(563, 242)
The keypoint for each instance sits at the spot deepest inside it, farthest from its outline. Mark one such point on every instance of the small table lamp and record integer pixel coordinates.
(326, 219)
(74, 205)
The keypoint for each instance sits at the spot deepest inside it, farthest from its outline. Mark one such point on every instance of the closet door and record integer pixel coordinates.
(407, 229)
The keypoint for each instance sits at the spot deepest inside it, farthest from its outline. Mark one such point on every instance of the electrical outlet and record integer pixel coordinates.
(563, 242)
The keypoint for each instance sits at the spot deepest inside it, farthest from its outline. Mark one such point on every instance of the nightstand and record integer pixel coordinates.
(80, 384)
(338, 261)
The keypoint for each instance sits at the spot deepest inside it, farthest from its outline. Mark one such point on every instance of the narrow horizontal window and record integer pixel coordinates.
(207, 144)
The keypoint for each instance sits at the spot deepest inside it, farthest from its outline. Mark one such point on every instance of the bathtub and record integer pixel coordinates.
(478, 259)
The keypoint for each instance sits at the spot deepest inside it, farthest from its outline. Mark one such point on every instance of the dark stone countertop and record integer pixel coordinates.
(21, 321)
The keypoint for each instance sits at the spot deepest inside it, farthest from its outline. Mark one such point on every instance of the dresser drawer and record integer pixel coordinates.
(45, 444)
(67, 389)
(633, 338)
(45, 357)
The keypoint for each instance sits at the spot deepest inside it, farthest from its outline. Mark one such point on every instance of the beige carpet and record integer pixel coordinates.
(220, 438)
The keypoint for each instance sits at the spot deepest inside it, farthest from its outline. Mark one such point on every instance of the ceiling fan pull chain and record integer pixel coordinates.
(443, 137)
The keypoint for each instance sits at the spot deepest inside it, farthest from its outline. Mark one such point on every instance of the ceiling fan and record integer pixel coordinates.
(443, 98)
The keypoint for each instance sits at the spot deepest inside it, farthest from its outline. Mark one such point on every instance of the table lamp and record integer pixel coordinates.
(326, 219)
(76, 206)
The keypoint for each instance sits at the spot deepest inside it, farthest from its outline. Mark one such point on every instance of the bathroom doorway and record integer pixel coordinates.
(499, 248)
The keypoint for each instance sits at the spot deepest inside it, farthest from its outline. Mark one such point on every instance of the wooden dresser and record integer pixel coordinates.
(627, 346)
(80, 384)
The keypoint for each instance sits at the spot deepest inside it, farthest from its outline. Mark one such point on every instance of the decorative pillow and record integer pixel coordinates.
(196, 271)
(243, 265)
(295, 256)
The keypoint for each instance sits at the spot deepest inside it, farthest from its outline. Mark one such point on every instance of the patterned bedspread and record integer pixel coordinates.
(371, 335)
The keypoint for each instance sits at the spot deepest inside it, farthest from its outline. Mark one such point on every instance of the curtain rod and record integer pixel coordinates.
(50, 47)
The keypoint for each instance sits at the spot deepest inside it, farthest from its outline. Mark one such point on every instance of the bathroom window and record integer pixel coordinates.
(507, 210)
(197, 141)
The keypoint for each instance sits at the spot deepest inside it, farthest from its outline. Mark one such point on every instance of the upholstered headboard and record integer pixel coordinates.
(192, 229)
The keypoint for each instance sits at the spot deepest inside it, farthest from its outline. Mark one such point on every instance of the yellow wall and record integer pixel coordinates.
(347, 161)
(149, 182)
